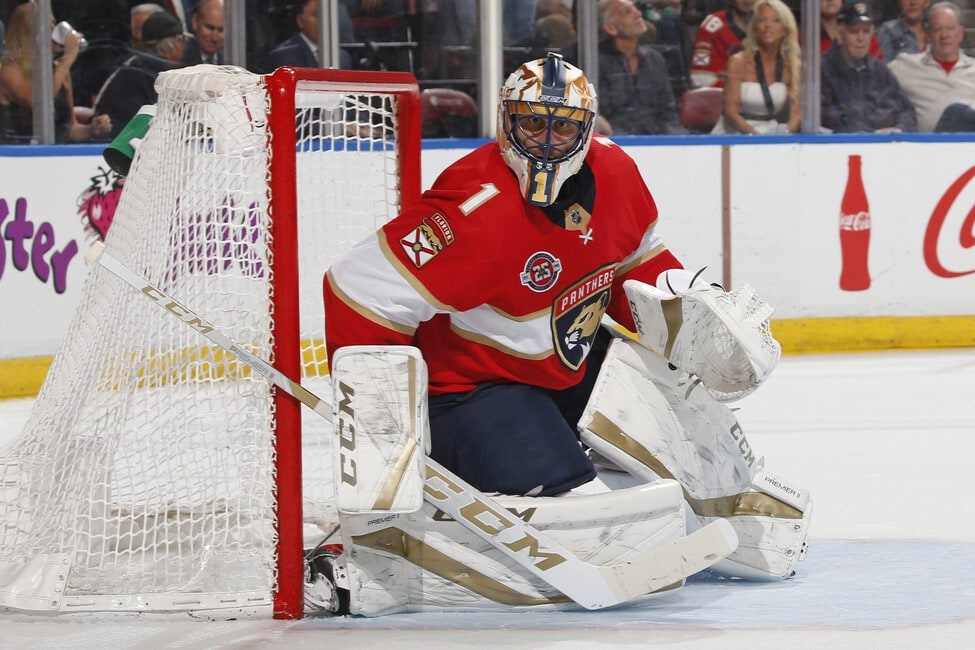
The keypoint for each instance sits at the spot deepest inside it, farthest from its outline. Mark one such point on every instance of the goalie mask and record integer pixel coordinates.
(545, 122)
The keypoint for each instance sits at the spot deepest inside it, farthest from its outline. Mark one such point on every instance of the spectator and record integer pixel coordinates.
(17, 93)
(885, 11)
(206, 46)
(182, 9)
(102, 20)
(132, 85)
(553, 8)
(634, 90)
(301, 50)
(554, 26)
(554, 31)
(771, 51)
(693, 13)
(904, 34)
(718, 37)
(664, 18)
(105, 24)
(859, 93)
(829, 11)
(137, 16)
(941, 81)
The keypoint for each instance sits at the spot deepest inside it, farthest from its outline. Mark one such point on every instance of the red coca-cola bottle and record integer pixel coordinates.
(854, 231)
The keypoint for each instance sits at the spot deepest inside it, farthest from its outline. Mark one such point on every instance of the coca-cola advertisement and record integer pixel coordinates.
(945, 256)
(854, 231)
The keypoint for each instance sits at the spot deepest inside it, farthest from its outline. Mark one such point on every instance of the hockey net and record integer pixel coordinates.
(155, 472)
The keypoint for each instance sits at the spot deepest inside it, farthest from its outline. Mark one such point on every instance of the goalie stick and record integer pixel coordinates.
(591, 586)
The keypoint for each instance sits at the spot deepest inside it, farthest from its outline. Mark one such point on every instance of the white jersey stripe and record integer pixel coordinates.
(531, 339)
(368, 278)
(650, 246)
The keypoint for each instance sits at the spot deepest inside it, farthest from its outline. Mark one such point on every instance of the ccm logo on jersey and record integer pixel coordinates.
(430, 237)
(541, 271)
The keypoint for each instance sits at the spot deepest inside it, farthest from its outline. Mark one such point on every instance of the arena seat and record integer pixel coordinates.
(700, 108)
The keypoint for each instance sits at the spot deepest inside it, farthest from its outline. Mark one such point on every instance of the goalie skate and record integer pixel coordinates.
(326, 583)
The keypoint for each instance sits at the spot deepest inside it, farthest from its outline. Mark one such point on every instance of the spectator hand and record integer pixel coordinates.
(100, 126)
(72, 45)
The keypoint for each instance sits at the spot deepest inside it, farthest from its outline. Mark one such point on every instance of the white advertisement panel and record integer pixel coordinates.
(918, 247)
(51, 209)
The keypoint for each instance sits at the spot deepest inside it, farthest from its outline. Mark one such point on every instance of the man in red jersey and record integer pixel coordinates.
(718, 37)
(500, 275)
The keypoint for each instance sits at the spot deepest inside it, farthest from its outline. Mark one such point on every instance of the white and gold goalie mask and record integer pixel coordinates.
(545, 122)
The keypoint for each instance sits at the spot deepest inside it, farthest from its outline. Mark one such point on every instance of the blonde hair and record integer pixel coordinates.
(17, 45)
(789, 50)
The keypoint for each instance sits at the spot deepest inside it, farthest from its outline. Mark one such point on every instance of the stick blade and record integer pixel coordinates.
(668, 565)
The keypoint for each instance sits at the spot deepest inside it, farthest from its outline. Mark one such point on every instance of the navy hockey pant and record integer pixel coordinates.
(515, 438)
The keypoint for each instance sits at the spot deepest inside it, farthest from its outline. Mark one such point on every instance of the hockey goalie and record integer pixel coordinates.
(470, 331)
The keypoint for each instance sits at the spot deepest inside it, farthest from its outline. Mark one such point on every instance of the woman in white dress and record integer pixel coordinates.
(762, 80)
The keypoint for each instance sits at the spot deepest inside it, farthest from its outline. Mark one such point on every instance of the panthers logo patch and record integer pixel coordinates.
(576, 316)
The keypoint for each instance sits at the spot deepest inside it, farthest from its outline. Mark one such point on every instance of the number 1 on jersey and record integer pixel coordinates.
(488, 191)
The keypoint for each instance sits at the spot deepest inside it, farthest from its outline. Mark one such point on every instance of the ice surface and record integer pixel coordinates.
(884, 442)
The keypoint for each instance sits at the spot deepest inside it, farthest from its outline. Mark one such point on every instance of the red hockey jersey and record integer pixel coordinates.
(489, 287)
(717, 39)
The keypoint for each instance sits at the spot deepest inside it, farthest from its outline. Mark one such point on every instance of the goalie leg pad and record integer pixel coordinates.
(380, 412)
(641, 419)
(426, 561)
(655, 423)
(770, 544)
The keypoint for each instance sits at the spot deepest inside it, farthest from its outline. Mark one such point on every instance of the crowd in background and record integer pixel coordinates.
(886, 65)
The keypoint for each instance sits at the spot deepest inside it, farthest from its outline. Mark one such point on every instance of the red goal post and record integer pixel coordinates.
(156, 473)
(283, 87)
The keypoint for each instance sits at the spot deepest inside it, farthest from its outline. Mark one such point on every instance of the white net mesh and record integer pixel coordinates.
(144, 478)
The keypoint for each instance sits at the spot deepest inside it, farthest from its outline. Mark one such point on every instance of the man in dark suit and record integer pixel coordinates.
(133, 84)
(206, 46)
(301, 50)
